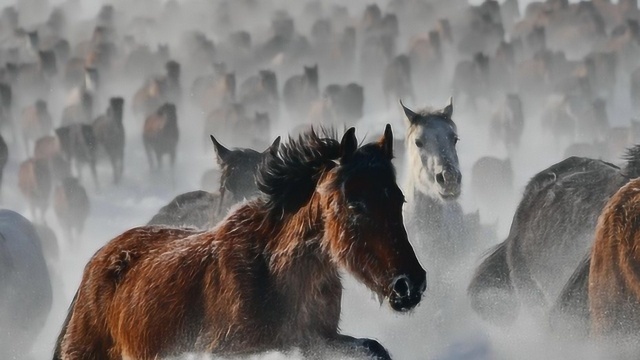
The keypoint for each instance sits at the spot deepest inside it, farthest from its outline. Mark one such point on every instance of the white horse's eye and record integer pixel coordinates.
(419, 143)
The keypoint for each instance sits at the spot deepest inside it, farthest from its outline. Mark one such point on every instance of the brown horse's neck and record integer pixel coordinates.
(296, 237)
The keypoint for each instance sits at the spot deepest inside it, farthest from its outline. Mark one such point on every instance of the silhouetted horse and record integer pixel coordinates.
(300, 91)
(266, 278)
(34, 181)
(71, 205)
(160, 135)
(79, 144)
(24, 284)
(551, 232)
(109, 132)
(202, 209)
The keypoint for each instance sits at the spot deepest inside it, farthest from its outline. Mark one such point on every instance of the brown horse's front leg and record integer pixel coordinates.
(365, 347)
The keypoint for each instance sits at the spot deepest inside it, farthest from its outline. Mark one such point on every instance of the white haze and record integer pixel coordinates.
(422, 334)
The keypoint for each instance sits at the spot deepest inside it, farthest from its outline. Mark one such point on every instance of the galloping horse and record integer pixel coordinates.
(551, 233)
(434, 183)
(267, 277)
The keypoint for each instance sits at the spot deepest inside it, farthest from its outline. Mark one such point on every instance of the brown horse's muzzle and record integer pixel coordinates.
(406, 291)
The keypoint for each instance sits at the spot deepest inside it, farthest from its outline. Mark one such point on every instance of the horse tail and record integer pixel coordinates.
(491, 290)
(570, 313)
(57, 352)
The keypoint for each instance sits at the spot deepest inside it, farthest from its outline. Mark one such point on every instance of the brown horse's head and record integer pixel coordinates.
(363, 221)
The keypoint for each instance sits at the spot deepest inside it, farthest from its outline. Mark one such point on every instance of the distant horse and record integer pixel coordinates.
(492, 183)
(25, 286)
(300, 91)
(203, 210)
(109, 132)
(266, 278)
(551, 232)
(71, 206)
(34, 181)
(36, 122)
(259, 93)
(160, 135)
(78, 143)
(507, 123)
(4, 158)
(49, 149)
(158, 90)
(397, 81)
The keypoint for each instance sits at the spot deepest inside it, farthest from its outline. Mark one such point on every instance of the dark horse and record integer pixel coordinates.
(25, 286)
(267, 277)
(202, 209)
(552, 231)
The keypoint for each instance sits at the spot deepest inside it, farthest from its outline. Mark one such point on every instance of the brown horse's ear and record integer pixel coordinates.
(386, 141)
(448, 110)
(221, 151)
(409, 113)
(273, 149)
(348, 145)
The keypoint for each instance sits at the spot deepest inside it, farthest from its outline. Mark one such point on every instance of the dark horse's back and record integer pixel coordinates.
(198, 209)
(25, 286)
(552, 229)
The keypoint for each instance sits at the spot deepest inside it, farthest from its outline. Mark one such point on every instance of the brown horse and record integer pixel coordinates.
(267, 277)
(160, 135)
(71, 205)
(614, 288)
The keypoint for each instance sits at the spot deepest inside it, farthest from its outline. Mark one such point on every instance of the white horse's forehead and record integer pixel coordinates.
(433, 129)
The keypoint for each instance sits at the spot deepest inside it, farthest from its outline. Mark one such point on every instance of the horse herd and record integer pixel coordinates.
(254, 261)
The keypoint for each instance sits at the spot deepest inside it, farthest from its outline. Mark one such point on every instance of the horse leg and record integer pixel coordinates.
(359, 347)
(150, 156)
(94, 173)
(172, 164)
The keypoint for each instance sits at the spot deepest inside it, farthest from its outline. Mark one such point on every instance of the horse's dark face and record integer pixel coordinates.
(239, 168)
(311, 73)
(431, 145)
(364, 226)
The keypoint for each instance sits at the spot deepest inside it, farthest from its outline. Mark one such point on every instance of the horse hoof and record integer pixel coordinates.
(376, 350)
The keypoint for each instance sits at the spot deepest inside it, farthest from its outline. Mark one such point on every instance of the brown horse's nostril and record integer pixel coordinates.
(402, 287)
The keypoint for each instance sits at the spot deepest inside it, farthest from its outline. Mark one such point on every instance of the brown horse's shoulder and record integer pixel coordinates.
(124, 251)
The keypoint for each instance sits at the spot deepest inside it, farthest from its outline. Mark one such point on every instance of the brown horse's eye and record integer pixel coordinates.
(419, 143)
(357, 206)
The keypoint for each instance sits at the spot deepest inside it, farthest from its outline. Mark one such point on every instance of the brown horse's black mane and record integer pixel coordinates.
(289, 178)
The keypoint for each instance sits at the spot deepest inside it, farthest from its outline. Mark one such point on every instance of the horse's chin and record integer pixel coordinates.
(449, 196)
(404, 305)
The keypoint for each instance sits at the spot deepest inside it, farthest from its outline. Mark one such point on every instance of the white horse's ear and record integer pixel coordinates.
(448, 110)
(411, 116)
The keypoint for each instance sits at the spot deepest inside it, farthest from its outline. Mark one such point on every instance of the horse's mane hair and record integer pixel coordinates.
(289, 178)
(632, 158)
